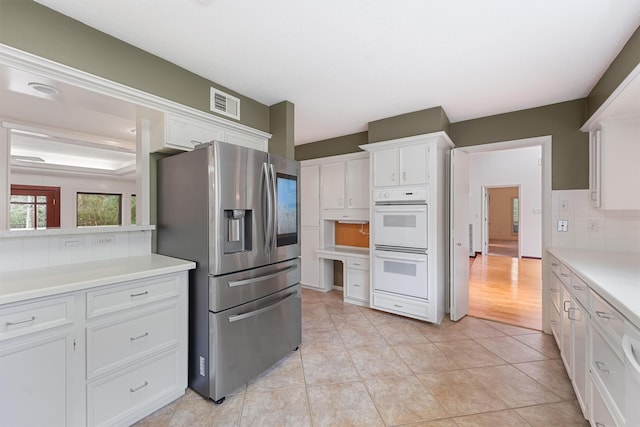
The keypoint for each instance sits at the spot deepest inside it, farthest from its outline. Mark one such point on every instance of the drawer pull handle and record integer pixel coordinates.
(17, 322)
(600, 366)
(564, 306)
(555, 290)
(564, 274)
(242, 316)
(356, 285)
(553, 322)
(140, 294)
(356, 263)
(578, 288)
(146, 334)
(397, 305)
(554, 264)
(600, 424)
(603, 315)
(133, 390)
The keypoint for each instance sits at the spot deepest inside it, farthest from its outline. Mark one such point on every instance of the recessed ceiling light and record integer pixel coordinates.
(44, 88)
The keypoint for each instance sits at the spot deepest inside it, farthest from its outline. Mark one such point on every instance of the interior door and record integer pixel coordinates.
(459, 282)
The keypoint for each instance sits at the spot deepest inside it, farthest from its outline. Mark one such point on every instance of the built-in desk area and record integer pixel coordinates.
(355, 271)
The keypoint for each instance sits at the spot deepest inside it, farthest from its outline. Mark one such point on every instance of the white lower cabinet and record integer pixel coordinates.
(35, 375)
(309, 243)
(106, 356)
(357, 281)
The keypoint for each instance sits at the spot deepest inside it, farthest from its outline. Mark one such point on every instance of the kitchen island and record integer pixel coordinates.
(96, 343)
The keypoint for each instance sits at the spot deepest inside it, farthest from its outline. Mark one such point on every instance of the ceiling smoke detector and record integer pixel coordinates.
(44, 88)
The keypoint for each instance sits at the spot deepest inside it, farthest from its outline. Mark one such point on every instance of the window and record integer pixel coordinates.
(95, 209)
(515, 212)
(133, 209)
(34, 207)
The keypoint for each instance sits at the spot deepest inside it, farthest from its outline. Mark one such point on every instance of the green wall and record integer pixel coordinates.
(410, 124)
(570, 146)
(33, 28)
(622, 65)
(331, 147)
(281, 123)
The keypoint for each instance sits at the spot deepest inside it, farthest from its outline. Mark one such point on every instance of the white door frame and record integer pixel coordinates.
(545, 143)
(485, 216)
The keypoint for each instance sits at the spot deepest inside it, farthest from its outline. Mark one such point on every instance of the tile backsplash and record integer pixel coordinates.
(21, 253)
(593, 228)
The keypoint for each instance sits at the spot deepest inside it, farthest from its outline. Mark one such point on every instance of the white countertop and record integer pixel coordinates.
(41, 282)
(339, 252)
(613, 275)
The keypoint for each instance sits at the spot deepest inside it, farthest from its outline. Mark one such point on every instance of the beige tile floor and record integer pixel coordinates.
(361, 367)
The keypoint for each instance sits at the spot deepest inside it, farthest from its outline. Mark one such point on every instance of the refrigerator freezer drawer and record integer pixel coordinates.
(248, 339)
(238, 288)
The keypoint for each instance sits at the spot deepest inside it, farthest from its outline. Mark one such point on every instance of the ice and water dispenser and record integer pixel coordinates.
(238, 230)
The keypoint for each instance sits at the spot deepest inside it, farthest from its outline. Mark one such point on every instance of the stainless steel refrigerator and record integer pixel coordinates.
(235, 212)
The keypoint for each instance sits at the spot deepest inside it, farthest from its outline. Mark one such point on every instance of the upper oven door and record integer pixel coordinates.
(403, 226)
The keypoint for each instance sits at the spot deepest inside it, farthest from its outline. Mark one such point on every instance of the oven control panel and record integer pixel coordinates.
(400, 194)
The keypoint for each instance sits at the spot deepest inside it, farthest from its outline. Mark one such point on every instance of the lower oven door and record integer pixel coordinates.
(400, 225)
(401, 273)
(248, 339)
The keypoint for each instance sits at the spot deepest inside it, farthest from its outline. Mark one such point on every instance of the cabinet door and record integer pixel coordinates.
(385, 167)
(333, 185)
(567, 342)
(310, 195)
(414, 168)
(358, 184)
(578, 316)
(310, 275)
(36, 378)
(357, 284)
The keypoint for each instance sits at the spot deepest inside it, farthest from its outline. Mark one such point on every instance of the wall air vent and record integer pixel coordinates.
(225, 104)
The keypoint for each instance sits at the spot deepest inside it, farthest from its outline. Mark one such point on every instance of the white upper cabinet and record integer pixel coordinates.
(614, 148)
(401, 166)
(344, 187)
(310, 195)
(614, 152)
(183, 133)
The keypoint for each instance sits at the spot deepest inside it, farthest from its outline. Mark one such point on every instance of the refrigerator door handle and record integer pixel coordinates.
(280, 272)
(260, 310)
(274, 207)
(268, 218)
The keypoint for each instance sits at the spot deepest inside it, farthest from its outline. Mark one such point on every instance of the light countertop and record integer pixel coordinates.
(613, 275)
(47, 281)
(339, 252)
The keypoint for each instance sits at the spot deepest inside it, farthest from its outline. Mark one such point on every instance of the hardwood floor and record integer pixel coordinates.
(506, 289)
(503, 247)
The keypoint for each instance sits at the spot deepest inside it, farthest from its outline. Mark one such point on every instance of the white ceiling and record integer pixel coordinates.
(344, 63)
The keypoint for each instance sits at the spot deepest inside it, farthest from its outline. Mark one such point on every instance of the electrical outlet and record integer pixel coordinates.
(104, 240)
(563, 225)
(592, 225)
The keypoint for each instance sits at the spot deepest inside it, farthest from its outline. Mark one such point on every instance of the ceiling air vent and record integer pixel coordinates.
(225, 104)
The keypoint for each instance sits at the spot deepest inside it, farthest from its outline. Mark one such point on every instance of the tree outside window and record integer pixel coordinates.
(97, 209)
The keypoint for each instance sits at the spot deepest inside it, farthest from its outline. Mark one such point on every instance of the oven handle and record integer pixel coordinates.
(403, 258)
(402, 208)
(260, 310)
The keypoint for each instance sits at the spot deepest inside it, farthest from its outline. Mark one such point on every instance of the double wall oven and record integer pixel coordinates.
(400, 261)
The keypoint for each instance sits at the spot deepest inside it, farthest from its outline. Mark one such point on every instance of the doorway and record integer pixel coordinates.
(502, 221)
(530, 251)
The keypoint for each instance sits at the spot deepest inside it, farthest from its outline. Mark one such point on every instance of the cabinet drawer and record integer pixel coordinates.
(580, 290)
(609, 319)
(555, 291)
(608, 368)
(116, 397)
(565, 275)
(359, 263)
(119, 341)
(133, 294)
(357, 284)
(401, 305)
(555, 265)
(32, 317)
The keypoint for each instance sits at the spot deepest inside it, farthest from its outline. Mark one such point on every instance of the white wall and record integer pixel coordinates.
(512, 167)
(616, 230)
(72, 184)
